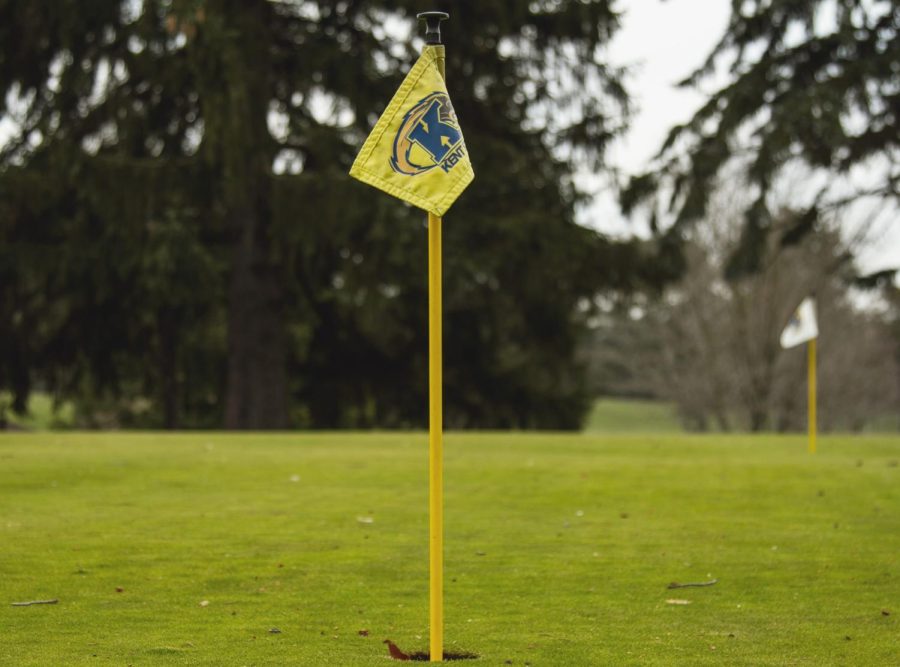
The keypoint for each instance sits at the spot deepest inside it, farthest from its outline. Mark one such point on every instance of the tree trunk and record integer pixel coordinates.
(257, 383)
(757, 420)
(240, 151)
(722, 420)
(167, 330)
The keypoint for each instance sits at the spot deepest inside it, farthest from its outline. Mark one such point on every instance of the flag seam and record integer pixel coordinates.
(372, 178)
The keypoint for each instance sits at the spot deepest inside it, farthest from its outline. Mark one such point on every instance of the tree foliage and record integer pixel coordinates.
(815, 82)
(178, 230)
(711, 345)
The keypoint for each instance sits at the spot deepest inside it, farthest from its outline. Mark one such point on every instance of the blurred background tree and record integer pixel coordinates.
(710, 345)
(795, 82)
(796, 85)
(180, 244)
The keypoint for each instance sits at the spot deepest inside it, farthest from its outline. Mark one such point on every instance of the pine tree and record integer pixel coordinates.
(180, 169)
(809, 81)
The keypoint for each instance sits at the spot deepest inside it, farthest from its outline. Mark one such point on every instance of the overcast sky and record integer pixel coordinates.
(661, 42)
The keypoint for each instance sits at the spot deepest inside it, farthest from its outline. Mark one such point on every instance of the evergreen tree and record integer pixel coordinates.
(814, 81)
(180, 167)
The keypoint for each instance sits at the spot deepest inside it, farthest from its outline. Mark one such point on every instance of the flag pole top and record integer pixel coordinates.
(433, 25)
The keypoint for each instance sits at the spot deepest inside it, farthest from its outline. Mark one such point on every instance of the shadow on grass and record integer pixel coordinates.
(423, 656)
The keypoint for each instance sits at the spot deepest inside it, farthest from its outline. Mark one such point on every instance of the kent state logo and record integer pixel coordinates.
(428, 137)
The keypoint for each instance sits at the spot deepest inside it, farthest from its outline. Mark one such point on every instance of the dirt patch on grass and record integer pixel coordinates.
(423, 656)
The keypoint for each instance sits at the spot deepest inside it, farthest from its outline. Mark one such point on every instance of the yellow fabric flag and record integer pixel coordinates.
(416, 151)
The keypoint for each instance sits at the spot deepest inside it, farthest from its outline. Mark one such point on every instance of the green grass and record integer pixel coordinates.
(559, 549)
(42, 413)
(622, 415)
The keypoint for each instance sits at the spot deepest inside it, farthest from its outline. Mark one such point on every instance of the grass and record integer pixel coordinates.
(559, 549)
(42, 414)
(622, 415)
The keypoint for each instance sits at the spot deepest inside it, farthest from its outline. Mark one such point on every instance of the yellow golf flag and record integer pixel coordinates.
(416, 151)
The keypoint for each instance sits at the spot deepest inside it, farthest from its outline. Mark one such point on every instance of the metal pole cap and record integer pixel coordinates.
(433, 25)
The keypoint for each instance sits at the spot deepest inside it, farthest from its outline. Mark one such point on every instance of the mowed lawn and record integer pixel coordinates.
(193, 549)
(632, 415)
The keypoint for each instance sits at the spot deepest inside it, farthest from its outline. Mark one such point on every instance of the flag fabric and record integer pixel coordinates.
(416, 151)
(802, 326)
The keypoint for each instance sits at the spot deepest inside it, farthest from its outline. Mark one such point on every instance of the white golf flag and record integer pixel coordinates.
(802, 325)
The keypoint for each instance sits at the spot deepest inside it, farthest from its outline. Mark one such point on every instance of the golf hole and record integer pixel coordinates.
(423, 656)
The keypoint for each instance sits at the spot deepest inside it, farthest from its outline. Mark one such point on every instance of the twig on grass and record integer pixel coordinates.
(31, 602)
(675, 584)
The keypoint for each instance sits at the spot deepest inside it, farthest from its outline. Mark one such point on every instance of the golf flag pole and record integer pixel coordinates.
(803, 328)
(416, 152)
(435, 403)
(811, 394)
(435, 444)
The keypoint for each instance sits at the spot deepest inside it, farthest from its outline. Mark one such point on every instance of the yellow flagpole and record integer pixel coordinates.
(811, 395)
(435, 398)
(435, 444)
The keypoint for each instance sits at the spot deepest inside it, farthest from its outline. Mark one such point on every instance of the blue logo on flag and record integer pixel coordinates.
(430, 125)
